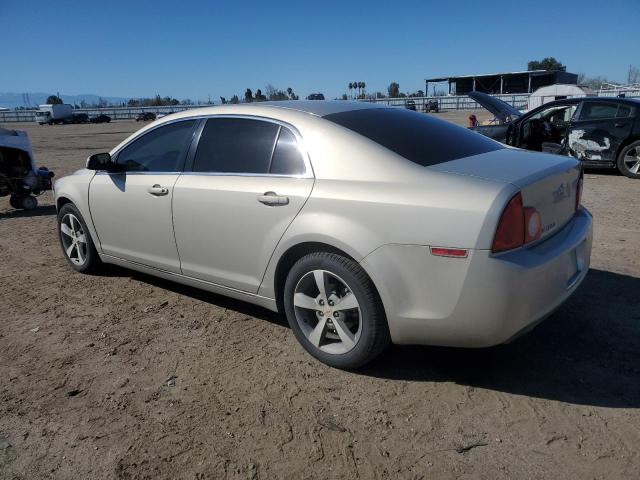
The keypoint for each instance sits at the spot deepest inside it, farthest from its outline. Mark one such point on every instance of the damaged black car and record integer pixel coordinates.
(601, 132)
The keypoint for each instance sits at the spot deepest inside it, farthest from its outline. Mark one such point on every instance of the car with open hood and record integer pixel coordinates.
(362, 224)
(601, 132)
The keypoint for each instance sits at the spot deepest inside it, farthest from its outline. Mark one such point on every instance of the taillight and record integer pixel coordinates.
(510, 232)
(579, 190)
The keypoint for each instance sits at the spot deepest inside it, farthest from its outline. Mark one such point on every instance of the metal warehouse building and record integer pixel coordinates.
(510, 82)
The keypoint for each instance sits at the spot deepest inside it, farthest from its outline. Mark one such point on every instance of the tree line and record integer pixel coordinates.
(272, 94)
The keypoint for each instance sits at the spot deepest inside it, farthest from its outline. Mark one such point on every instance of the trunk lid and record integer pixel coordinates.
(547, 182)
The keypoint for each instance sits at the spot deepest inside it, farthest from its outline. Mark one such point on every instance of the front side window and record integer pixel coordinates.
(235, 145)
(161, 150)
(555, 114)
(598, 111)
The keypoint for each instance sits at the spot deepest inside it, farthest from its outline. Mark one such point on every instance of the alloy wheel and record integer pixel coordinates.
(74, 239)
(632, 160)
(327, 311)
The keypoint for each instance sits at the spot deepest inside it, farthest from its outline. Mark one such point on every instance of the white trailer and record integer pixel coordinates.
(51, 114)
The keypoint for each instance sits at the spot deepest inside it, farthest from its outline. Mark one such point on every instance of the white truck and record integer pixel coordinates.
(51, 114)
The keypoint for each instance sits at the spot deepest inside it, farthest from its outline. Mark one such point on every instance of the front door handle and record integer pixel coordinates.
(272, 199)
(158, 190)
(620, 125)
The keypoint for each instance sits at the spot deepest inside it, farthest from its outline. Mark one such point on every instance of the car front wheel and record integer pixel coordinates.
(334, 310)
(76, 241)
(629, 160)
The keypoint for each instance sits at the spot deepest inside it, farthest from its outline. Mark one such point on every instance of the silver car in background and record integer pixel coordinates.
(364, 224)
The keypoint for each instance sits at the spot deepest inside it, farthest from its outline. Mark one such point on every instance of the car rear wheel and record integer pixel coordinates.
(629, 160)
(334, 310)
(15, 201)
(28, 203)
(76, 241)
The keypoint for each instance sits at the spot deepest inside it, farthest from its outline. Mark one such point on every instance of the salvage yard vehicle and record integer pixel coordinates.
(601, 132)
(363, 224)
(78, 118)
(102, 118)
(432, 106)
(53, 113)
(145, 117)
(19, 177)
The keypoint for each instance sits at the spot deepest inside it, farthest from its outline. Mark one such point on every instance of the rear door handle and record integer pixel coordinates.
(158, 190)
(272, 199)
(619, 125)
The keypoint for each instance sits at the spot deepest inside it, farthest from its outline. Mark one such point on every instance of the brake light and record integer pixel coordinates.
(579, 189)
(510, 232)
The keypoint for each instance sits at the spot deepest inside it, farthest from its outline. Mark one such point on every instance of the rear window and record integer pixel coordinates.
(415, 136)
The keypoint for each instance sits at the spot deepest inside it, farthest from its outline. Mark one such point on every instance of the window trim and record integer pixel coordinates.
(194, 129)
(188, 169)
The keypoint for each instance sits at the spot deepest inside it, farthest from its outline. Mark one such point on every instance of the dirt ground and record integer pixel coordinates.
(122, 375)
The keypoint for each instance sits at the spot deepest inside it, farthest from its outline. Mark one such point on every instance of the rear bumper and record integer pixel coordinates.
(482, 300)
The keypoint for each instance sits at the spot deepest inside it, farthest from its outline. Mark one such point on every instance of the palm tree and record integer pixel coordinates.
(363, 87)
(350, 88)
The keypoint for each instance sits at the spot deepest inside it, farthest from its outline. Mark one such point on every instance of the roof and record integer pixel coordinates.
(634, 102)
(320, 108)
(531, 72)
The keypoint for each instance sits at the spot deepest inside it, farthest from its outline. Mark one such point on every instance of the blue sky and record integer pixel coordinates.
(196, 49)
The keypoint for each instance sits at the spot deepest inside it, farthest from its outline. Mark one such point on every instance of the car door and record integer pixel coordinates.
(598, 131)
(131, 209)
(248, 181)
(547, 124)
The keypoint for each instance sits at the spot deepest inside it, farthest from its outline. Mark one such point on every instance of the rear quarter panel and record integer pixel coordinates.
(365, 196)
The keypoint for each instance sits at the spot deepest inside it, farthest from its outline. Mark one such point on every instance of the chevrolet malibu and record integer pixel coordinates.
(363, 224)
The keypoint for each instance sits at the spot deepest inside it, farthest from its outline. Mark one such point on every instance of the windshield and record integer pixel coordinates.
(417, 137)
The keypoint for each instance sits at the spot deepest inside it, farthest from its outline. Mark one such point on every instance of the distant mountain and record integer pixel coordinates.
(13, 100)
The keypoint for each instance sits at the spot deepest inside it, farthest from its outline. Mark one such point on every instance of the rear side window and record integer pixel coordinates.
(235, 145)
(161, 150)
(598, 111)
(287, 159)
(624, 111)
(415, 136)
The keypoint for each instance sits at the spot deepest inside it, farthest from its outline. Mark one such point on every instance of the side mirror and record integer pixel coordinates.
(100, 161)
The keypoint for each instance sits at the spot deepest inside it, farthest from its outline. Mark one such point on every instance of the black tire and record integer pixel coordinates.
(15, 201)
(624, 167)
(28, 203)
(374, 336)
(92, 262)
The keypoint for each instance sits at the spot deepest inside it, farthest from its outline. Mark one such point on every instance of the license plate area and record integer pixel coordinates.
(575, 265)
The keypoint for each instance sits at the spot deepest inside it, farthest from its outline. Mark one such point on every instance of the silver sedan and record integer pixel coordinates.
(364, 224)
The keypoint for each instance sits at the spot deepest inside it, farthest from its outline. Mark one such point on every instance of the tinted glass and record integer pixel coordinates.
(556, 113)
(417, 137)
(287, 159)
(593, 111)
(623, 111)
(161, 150)
(235, 145)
